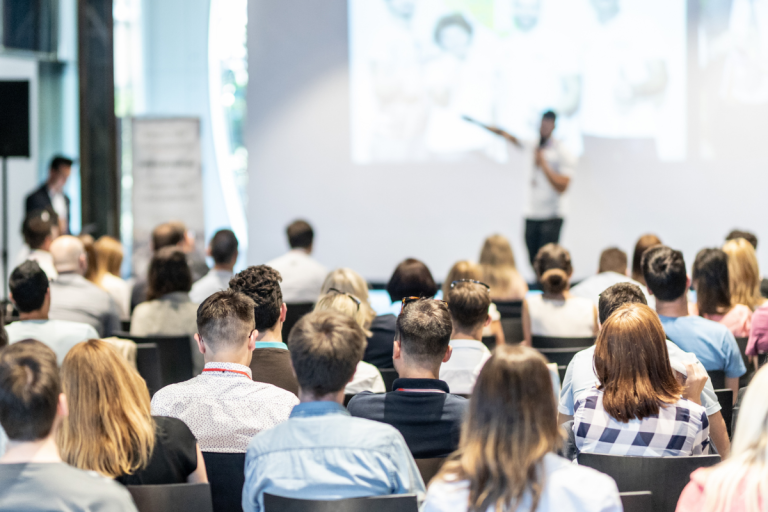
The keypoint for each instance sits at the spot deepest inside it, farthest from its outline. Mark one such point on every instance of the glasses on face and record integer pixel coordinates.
(354, 299)
(454, 283)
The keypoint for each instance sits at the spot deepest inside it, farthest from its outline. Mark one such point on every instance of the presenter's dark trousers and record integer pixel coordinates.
(539, 233)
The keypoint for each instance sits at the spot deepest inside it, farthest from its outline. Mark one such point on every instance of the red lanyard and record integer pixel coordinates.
(225, 370)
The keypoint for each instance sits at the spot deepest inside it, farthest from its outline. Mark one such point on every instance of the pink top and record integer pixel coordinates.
(758, 336)
(738, 320)
(693, 499)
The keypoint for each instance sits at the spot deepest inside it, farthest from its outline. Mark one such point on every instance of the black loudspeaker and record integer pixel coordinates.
(29, 25)
(14, 118)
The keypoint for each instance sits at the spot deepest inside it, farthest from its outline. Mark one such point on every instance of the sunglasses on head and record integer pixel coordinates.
(354, 299)
(473, 281)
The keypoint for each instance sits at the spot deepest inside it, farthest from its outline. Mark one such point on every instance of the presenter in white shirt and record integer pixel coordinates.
(303, 276)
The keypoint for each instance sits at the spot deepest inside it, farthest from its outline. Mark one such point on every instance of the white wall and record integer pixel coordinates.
(371, 217)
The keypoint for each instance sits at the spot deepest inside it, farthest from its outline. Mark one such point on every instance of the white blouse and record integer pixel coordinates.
(570, 318)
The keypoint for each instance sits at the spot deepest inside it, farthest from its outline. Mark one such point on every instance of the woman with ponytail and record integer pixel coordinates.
(556, 312)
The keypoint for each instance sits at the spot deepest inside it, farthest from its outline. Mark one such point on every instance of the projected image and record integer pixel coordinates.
(609, 68)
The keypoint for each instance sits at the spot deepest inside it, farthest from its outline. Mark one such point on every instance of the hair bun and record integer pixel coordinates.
(554, 280)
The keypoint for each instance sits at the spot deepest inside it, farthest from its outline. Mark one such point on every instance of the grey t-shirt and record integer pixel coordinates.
(36, 486)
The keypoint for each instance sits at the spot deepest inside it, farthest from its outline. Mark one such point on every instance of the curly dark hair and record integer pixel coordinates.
(261, 284)
(168, 272)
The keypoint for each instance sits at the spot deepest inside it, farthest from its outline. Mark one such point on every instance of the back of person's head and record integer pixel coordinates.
(344, 303)
(509, 428)
(225, 320)
(664, 271)
(424, 331)
(497, 262)
(553, 268)
(710, 278)
(743, 273)
(461, 270)
(346, 280)
(632, 364)
(746, 235)
(325, 349)
(643, 244)
(411, 278)
(59, 162)
(29, 390)
(468, 303)
(109, 255)
(92, 270)
(613, 297)
(168, 272)
(109, 428)
(300, 235)
(168, 234)
(613, 260)
(28, 285)
(38, 226)
(223, 247)
(68, 254)
(261, 284)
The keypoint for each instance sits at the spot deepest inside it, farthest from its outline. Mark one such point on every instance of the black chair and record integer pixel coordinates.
(511, 320)
(429, 467)
(561, 369)
(744, 379)
(172, 498)
(725, 397)
(641, 501)
(148, 365)
(560, 356)
(294, 314)
(552, 342)
(718, 379)
(347, 398)
(489, 342)
(175, 355)
(389, 375)
(391, 503)
(665, 477)
(125, 325)
(226, 475)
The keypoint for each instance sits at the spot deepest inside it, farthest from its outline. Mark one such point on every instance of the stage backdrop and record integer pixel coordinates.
(347, 102)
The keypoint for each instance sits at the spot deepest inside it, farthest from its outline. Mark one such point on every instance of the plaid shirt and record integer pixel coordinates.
(679, 429)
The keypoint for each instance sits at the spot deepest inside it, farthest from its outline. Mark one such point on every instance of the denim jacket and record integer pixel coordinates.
(322, 452)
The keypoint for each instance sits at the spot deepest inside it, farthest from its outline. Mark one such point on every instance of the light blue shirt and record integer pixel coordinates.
(712, 343)
(323, 453)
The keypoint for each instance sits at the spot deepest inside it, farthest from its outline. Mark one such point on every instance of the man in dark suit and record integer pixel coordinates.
(51, 193)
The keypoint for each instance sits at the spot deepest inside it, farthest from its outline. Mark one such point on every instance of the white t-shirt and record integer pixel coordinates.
(303, 277)
(60, 335)
(367, 378)
(544, 202)
(571, 318)
(462, 369)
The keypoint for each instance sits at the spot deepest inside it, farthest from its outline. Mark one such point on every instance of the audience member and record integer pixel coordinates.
(321, 452)
(738, 483)
(367, 377)
(347, 280)
(271, 361)
(713, 295)
(91, 270)
(506, 458)
(109, 428)
(713, 343)
(556, 312)
(223, 250)
(580, 376)
(469, 270)
(468, 302)
(302, 275)
(31, 295)
(758, 334)
(109, 259)
(51, 193)
(743, 273)
(168, 310)
(497, 263)
(75, 298)
(420, 405)
(411, 278)
(637, 409)
(32, 474)
(612, 270)
(752, 239)
(39, 229)
(223, 407)
(643, 244)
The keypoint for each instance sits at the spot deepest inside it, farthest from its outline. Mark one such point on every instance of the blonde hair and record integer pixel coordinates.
(341, 301)
(743, 273)
(348, 281)
(109, 255)
(461, 270)
(745, 473)
(110, 427)
(497, 265)
(91, 271)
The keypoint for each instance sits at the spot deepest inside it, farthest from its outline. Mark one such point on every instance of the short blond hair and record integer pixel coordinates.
(109, 255)
(347, 280)
(743, 273)
(345, 304)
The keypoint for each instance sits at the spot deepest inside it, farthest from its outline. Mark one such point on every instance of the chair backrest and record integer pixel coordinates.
(161, 498)
(429, 467)
(148, 365)
(718, 378)
(561, 356)
(665, 477)
(489, 342)
(294, 314)
(513, 330)
(175, 355)
(389, 375)
(510, 309)
(347, 398)
(226, 474)
(552, 342)
(391, 503)
(725, 397)
(641, 501)
(744, 379)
